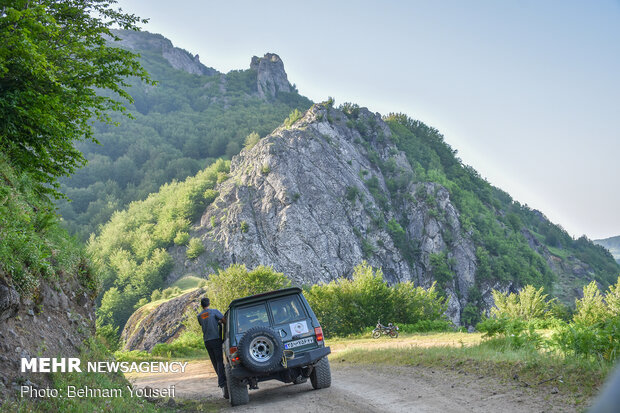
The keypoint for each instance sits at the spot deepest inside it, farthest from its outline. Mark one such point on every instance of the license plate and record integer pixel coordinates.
(298, 343)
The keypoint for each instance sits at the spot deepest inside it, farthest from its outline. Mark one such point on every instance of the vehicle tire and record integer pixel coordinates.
(321, 376)
(237, 389)
(394, 334)
(261, 349)
(376, 334)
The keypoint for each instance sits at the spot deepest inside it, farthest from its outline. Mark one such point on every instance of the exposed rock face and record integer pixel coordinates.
(56, 321)
(147, 327)
(178, 58)
(314, 203)
(271, 77)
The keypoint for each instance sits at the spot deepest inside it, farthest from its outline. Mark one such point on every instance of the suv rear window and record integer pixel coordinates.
(248, 317)
(286, 310)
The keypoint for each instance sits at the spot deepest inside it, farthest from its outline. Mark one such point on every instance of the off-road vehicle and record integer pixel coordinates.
(273, 336)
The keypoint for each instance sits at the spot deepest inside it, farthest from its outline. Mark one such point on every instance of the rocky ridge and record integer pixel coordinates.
(311, 201)
(178, 58)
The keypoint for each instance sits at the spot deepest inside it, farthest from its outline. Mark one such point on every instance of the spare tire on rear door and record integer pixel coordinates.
(261, 349)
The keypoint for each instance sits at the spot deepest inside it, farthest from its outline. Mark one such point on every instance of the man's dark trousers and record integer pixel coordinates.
(214, 347)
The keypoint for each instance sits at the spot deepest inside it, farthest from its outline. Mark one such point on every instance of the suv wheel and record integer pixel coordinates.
(261, 349)
(237, 389)
(321, 376)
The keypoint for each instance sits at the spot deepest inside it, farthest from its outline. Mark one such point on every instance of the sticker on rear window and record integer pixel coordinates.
(299, 327)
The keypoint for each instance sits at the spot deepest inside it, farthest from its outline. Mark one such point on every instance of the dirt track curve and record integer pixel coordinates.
(369, 388)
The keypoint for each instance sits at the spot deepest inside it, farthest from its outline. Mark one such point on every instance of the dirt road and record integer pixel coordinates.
(369, 388)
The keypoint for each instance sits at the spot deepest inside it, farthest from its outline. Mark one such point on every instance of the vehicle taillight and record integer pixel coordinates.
(234, 357)
(318, 331)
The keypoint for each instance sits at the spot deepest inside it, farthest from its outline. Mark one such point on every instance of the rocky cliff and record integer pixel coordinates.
(311, 201)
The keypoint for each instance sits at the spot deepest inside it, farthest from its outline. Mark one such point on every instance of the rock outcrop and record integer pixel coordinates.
(270, 75)
(178, 58)
(148, 326)
(56, 320)
(313, 201)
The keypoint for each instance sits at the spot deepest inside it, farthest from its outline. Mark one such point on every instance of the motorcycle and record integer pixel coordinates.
(389, 330)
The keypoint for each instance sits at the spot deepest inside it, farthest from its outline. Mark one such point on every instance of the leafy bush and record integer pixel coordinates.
(352, 193)
(294, 116)
(195, 248)
(511, 333)
(591, 309)
(600, 341)
(181, 238)
(251, 140)
(349, 306)
(236, 282)
(425, 326)
(529, 304)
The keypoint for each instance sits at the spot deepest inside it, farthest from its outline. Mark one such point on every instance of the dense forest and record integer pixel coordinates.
(181, 125)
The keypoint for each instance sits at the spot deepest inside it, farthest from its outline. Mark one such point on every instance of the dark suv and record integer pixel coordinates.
(273, 336)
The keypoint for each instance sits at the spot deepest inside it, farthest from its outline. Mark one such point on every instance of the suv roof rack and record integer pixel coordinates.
(257, 297)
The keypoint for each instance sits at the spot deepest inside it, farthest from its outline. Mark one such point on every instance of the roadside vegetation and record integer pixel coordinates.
(528, 340)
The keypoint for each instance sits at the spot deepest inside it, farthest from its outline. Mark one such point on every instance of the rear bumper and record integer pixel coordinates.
(301, 360)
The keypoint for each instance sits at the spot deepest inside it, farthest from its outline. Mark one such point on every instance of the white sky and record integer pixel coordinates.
(527, 91)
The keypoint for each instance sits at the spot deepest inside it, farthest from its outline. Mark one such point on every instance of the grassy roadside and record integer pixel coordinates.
(96, 351)
(579, 379)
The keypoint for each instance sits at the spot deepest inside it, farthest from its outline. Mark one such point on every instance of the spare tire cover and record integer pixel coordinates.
(261, 349)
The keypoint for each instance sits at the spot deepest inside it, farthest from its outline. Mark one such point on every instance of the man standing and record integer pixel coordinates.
(209, 320)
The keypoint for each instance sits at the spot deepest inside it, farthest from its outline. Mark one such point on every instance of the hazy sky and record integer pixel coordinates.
(528, 92)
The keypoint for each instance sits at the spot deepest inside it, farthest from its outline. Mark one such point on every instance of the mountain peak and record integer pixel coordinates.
(271, 77)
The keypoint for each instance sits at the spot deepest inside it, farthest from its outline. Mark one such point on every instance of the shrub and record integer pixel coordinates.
(181, 238)
(251, 140)
(295, 115)
(209, 196)
(511, 333)
(367, 248)
(348, 306)
(591, 309)
(244, 226)
(352, 193)
(236, 282)
(529, 304)
(195, 248)
(155, 295)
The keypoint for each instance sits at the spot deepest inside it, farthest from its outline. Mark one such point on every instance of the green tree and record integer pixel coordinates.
(236, 282)
(529, 304)
(54, 56)
(590, 309)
